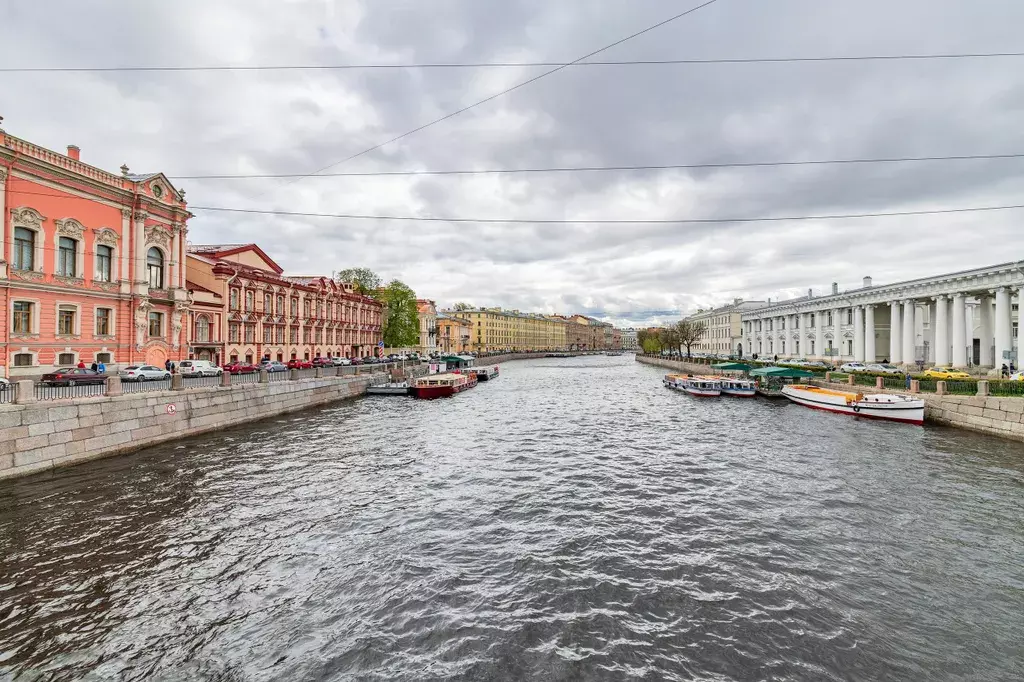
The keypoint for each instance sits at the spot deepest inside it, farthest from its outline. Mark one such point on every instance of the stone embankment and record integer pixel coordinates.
(1002, 417)
(41, 435)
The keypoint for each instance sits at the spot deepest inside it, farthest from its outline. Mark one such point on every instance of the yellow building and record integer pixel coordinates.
(494, 329)
(453, 334)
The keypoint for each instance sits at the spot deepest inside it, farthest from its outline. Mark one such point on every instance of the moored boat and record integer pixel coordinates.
(443, 385)
(672, 380)
(737, 387)
(485, 373)
(702, 387)
(395, 388)
(888, 406)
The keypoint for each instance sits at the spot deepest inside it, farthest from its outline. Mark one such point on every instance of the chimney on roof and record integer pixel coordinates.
(835, 288)
(74, 152)
(867, 282)
(737, 301)
(810, 293)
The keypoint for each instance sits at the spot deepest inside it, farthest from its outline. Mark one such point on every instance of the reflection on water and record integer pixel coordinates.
(572, 520)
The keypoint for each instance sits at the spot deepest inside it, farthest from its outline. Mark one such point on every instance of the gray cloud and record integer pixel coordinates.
(195, 123)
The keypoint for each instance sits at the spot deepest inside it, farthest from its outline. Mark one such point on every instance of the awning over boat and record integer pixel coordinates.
(785, 372)
(732, 366)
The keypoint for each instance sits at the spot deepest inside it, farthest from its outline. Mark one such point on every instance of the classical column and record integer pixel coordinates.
(895, 333)
(124, 249)
(959, 332)
(139, 244)
(837, 334)
(175, 280)
(941, 324)
(1004, 327)
(858, 333)
(909, 334)
(985, 334)
(819, 334)
(870, 352)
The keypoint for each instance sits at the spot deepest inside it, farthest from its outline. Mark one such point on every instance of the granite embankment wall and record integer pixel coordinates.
(1002, 417)
(44, 435)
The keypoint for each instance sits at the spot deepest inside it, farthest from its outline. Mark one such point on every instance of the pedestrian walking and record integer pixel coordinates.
(1006, 370)
(908, 380)
(167, 365)
(81, 364)
(94, 367)
(101, 368)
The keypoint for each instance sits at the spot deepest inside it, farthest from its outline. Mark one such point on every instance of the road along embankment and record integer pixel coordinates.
(1002, 417)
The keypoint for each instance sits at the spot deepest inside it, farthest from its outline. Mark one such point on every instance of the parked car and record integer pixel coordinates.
(274, 366)
(72, 376)
(853, 367)
(881, 368)
(295, 363)
(322, 362)
(199, 368)
(945, 373)
(4, 383)
(341, 362)
(144, 373)
(355, 361)
(240, 368)
(1016, 376)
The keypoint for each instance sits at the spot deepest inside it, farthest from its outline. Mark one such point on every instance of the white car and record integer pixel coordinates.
(341, 362)
(143, 373)
(199, 368)
(879, 368)
(1016, 376)
(853, 367)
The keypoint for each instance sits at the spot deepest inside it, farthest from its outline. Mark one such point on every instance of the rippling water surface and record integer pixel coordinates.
(572, 520)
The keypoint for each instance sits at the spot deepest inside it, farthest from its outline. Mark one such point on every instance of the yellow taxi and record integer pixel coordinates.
(946, 373)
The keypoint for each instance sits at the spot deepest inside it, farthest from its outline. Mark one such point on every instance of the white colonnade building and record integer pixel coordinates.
(960, 319)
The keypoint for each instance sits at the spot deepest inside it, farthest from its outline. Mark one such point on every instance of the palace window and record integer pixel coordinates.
(103, 322)
(250, 333)
(233, 332)
(103, 357)
(66, 252)
(24, 250)
(233, 299)
(250, 301)
(293, 336)
(306, 307)
(280, 305)
(268, 303)
(156, 324)
(155, 268)
(104, 261)
(203, 329)
(66, 320)
(849, 316)
(22, 322)
(23, 360)
(268, 334)
(280, 334)
(66, 359)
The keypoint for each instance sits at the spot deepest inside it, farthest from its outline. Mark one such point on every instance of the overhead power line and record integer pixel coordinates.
(581, 169)
(514, 87)
(501, 65)
(633, 221)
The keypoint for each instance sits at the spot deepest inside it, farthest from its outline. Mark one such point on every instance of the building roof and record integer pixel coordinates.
(224, 250)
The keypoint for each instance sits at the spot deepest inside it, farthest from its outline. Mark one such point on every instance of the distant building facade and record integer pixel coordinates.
(453, 333)
(724, 333)
(426, 312)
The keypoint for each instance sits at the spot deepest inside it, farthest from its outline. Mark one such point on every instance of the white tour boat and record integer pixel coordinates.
(893, 407)
(741, 388)
(703, 387)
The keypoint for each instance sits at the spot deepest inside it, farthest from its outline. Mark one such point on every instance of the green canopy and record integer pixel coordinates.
(786, 372)
(734, 366)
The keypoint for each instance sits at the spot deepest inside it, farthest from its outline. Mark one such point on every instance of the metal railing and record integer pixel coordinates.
(8, 393)
(279, 376)
(249, 378)
(962, 387)
(200, 382)
(145, 386)
(44, 392)
(1013, 389)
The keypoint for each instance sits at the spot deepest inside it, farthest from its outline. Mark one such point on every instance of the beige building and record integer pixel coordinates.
(724, 333)
(494, 329)
(453, 334)
(426, 310)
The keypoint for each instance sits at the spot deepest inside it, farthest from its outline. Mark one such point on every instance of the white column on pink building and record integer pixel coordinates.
(3, 219)
(175, 258)
(126, 245)
(139, 242)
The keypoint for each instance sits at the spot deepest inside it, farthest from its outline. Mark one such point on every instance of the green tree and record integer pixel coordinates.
(689, 332)
(364, 280)
(463, 306)
(401, 321)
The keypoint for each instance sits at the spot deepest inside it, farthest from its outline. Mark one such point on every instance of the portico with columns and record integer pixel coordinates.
(963, 319)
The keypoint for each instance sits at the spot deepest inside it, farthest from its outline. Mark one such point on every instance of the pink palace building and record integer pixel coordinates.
(91, 263)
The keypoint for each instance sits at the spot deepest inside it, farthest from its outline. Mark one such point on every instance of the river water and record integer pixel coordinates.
(572, 520)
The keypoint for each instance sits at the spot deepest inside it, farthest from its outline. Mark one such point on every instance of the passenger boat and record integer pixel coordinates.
(443, 385)
(892, 407)
(702, 387)
(740, 388)
(394, 388)
(485, 373)
(672, 380)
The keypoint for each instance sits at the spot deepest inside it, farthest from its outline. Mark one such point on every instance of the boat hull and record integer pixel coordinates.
(882, 407)
(702, 392)
(739, 392)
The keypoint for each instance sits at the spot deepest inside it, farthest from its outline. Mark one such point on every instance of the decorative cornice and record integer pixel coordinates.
(69, 227)
(107, 286)
(28, 275)
(70, 281)
(156, 234)
(105, 235)
(26, 216)
(126, 213)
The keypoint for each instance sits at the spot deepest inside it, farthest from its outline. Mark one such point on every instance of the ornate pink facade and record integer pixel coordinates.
(91, 263)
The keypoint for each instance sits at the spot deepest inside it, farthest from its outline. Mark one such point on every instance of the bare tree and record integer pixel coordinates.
(670, 339)
(690, 332)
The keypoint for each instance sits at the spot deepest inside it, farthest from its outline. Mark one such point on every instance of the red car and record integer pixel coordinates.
(240, 368)
(323, 362)
(72, 376)
(300, 364)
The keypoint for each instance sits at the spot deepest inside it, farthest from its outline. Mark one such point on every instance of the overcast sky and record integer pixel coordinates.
(300, 121)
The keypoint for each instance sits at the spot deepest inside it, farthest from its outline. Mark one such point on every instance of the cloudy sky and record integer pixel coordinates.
(273, 122)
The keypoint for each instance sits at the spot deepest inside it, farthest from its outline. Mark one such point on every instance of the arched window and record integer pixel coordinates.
(203, 329)
(155, 268)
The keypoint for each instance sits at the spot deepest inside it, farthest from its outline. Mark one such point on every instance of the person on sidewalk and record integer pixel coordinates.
(81, 364)
(101, 368)
(94, 367)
